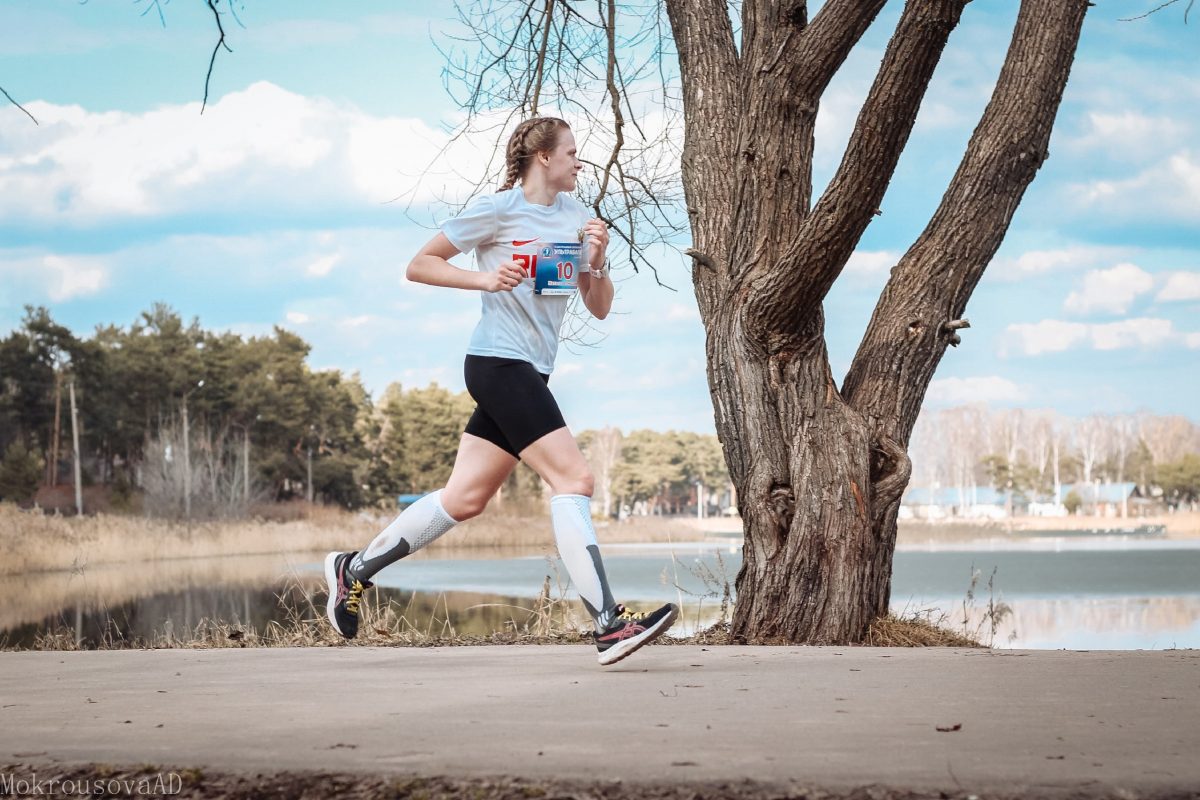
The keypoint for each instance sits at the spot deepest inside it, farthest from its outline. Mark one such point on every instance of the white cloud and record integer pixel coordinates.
(74, 276)
(1192, 340)
(1168, 190)
(1180, 286)
(297, 317)
(871, 262)
(261, 147)
(1047, 336)
(1112, 290)
(1140, 332)
(1056, 336)
(323, 265)
(1127, 134)
(1063, 259)
(981, 389)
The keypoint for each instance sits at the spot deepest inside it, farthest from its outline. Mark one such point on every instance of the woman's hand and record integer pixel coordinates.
(595, 232)
(504, 279)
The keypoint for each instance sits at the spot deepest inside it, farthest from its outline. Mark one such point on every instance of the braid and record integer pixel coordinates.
(541, 133)
(511, 173)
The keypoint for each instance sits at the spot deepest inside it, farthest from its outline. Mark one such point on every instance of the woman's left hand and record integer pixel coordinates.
(595, 232)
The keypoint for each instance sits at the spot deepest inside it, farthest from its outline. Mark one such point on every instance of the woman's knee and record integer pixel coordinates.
(580, 483)
(462, 506)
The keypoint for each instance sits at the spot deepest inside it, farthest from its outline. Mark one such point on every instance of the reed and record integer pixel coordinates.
(31, 541)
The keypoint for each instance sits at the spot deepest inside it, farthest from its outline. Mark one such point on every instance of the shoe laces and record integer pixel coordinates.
(630, 616)
(354, 596)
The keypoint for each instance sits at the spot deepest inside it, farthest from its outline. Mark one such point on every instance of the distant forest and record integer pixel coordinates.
(173, 420)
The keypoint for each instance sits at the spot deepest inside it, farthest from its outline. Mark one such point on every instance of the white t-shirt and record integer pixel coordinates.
(504, 228)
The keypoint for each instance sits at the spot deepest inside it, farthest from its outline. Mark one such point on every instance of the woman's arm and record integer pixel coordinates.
(432, 266)
(597, 292)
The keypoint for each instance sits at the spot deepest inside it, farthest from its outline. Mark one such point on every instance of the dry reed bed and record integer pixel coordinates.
(34, 542)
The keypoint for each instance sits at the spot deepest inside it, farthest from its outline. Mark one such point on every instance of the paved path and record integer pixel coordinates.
(832, 717)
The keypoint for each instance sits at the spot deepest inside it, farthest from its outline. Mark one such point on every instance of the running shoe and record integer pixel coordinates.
(345, 594)
(630, 630)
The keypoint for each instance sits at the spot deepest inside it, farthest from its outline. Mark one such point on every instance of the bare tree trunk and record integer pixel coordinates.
(819, 473)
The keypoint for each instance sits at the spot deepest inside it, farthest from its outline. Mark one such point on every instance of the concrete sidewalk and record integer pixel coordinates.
(829, 717)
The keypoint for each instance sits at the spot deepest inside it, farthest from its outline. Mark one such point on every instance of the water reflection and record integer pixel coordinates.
(1118, 597)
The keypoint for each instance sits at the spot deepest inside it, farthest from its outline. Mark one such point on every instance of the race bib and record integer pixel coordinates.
(554, 267)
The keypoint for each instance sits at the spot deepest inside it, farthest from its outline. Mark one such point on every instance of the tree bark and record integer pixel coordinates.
(818, 472)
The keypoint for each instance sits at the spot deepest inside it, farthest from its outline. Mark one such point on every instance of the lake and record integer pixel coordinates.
(1103, 593)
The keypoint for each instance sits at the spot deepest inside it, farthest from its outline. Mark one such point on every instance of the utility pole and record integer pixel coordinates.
(56, 434)
(187, 455)
(187, 462)
(75, 441)
(308, 493)
(246, 464)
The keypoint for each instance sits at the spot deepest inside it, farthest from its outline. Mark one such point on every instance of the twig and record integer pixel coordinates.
(541, 59)
(220, 43)
(1186, 11)
(18, 105)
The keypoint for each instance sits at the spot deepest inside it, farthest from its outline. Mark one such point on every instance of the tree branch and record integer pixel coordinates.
(920, 309)
(212, 4)
(828, 40)
(781, 293)
(18, 105)
(710, 73)
(541, 57)
(610, 79)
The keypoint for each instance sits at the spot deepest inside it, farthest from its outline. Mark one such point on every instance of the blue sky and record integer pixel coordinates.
(272, 208)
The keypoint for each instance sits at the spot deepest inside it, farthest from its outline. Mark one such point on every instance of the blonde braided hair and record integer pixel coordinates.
(537, 135)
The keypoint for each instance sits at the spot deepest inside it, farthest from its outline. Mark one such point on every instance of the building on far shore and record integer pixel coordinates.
(983, 502)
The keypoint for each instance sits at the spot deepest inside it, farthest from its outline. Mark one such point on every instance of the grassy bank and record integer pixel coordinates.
(1184, 525)
(32, 541)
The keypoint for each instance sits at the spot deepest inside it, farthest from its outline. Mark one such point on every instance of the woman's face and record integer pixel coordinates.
(562, 167)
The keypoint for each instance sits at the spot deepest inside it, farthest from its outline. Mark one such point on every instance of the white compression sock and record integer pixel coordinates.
(576, 539)
(417, 526)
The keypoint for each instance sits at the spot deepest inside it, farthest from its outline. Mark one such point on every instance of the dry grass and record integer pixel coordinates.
(1184, 525)
(548, 619)
(34, 542)
(915, 631)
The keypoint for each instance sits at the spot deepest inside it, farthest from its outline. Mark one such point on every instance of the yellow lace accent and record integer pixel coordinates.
(354, 597)
(632, 616)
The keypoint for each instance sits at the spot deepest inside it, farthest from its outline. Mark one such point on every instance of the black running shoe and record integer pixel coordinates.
(629, 631)
(345, 594)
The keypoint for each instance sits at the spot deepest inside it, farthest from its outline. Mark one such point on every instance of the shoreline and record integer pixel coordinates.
(34, 542)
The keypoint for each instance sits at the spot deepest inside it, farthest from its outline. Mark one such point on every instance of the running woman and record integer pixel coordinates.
(535, 245)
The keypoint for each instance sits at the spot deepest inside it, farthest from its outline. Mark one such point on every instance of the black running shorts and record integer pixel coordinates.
(514, 407)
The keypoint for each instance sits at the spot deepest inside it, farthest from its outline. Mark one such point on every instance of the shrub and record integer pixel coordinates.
(20, 473)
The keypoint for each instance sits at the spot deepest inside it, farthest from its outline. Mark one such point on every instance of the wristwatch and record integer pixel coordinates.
(600, 274)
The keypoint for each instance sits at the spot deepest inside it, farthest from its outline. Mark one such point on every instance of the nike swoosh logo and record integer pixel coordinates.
(519, 244)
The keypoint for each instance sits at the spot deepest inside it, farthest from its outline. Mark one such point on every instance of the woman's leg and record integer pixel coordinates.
(480, 468)
(556, 458)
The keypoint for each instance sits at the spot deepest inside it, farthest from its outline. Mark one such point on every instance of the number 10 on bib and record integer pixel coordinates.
(556, 268)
